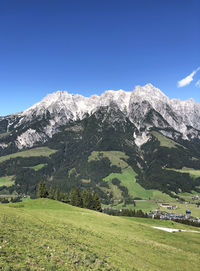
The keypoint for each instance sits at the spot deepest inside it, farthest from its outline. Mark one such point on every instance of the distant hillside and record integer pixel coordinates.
(122, 145)
(48, 235)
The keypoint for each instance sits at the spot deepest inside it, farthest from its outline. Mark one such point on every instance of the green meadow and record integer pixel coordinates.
(37, 167)
(189, 196)
(164, 141)
(7, 181)
(126, 177)
(40, 151)
(195, 173)
(43, 234)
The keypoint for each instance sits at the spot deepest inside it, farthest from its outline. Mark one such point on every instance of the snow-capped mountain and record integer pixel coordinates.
(146, 107)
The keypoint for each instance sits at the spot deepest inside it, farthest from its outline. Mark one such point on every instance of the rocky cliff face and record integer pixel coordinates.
(146, 108)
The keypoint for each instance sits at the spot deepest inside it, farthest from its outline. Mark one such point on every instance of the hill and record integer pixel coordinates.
(122, 145)
(48, 235)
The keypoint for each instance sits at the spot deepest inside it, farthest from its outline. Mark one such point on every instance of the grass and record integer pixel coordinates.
(117, 193)
(144, 205)
(127, 177)
(194, 158)
(164, 141)
(48, 235)
(116, 157)
(194, 173)
(37, 167)
(188, 196)
(26, 199)
(7, 181)
(40, 151)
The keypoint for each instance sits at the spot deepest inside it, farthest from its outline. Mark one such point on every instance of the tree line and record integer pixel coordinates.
(125, 212)
(83, 199)
(11, 200)
(187, 222)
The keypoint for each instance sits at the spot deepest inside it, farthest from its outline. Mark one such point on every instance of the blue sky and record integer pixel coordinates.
(88, 47)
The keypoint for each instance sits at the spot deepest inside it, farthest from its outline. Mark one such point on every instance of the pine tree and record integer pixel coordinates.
(75, 198)
(58, 194)
(42, 190)
(86, 198)
(61, 196)
(96, 202)
(65, 198)
(51, 193)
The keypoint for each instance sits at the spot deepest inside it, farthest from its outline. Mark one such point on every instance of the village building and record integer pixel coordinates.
(168, 206)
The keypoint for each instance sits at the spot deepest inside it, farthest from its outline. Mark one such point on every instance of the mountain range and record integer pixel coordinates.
(95, 140)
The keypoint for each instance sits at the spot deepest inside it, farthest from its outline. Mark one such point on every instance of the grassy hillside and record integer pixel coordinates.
(40, 151)
(164, 141)
(7, 181)
(126, 177)
(193, 172)
(48, 235)
(37, 167)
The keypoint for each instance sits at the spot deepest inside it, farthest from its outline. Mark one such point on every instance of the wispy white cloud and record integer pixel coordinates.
(188, 79)
(198, 84)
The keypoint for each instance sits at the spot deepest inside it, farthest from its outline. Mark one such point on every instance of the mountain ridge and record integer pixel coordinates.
(158, 136)
(59, 108)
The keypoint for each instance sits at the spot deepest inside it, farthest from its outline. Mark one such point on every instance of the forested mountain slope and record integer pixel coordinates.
(117, 144)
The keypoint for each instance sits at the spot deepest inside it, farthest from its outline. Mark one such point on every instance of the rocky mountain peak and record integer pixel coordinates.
(148, 93)
(146, 107)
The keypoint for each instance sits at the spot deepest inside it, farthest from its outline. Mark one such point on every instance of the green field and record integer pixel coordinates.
(7, 181)
(151, 198)
(194, 173)
(40, 151)
(116, 157)
(164, 141)
(44, 234)
(127, 177)
(37, 167)
(144, 205)
(26, 199)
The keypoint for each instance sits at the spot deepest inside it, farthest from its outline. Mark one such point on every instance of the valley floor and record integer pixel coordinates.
(44, 234)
